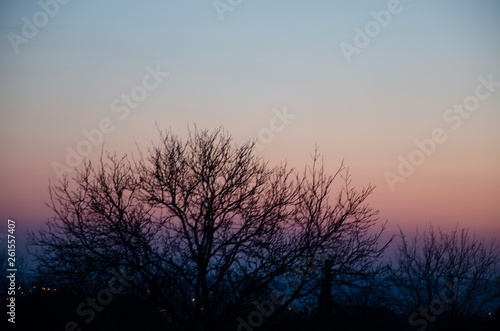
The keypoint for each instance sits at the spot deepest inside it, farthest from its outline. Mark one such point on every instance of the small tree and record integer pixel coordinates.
(437, 272)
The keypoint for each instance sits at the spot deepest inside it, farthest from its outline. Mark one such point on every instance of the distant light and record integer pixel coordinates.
(193, 299)
(289, 308)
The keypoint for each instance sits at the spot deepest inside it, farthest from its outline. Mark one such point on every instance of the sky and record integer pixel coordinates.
(407, 93)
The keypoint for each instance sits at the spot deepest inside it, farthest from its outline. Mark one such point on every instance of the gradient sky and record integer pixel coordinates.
(264, 55)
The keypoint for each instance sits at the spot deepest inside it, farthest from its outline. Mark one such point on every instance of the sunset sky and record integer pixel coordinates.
(362, 80)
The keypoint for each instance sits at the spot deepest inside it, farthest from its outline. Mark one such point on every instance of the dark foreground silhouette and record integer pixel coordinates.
(53, 311)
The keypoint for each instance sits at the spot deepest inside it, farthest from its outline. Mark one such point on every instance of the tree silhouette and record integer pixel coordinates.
(207, 228)
(450, 274)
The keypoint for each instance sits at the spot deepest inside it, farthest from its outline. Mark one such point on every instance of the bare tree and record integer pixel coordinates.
(437, 272)
(207, 228)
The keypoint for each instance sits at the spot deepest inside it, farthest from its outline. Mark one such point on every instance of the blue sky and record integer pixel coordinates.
(264, 55)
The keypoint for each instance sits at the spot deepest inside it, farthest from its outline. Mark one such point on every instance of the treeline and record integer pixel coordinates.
(202, 234)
